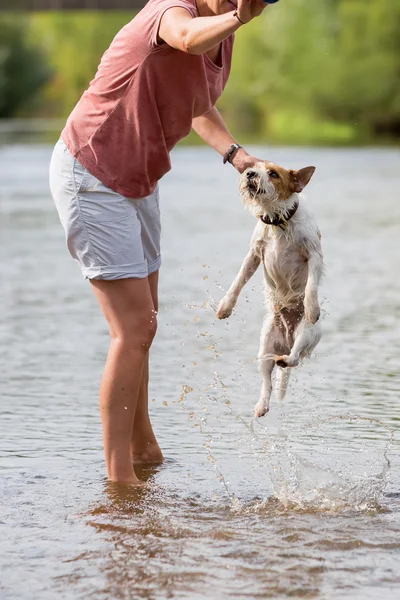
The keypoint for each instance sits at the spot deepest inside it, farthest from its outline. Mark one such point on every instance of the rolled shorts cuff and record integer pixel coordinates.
(154, 266)
(135, 271)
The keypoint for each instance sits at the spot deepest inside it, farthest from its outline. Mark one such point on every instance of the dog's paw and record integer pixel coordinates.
(281, 361)
(312, 312)
(225, 308)
(260, 410)
(286, 361)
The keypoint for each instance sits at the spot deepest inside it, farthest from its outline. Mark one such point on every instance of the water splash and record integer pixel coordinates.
(313, 465)
(201, 424)
(313, 470)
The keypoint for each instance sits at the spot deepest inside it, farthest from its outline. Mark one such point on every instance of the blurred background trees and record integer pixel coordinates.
(24, 67)
(308, 71)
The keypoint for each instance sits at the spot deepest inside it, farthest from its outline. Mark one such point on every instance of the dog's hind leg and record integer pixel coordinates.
(271, 339)
(306, 338)
(266, 368)
(281, 383)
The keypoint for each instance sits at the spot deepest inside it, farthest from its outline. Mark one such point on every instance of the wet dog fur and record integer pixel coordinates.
(292, 259)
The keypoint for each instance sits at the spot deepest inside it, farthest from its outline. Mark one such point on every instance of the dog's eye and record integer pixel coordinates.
(273, 174)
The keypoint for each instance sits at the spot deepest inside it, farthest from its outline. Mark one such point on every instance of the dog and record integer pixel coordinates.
(287, 242)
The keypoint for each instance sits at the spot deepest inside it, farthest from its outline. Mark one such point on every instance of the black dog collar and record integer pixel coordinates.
(280, 221)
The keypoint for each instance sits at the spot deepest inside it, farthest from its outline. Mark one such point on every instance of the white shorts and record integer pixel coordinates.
(110, 236)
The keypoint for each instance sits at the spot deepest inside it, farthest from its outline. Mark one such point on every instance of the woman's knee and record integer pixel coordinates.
(137, 330)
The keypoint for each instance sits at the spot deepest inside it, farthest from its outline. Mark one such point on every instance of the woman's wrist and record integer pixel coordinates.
(239, 161)
(236, 15)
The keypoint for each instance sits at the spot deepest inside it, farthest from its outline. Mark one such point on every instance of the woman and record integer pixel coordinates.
(162, 75)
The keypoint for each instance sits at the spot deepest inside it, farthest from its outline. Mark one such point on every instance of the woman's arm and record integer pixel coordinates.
(212, 129)
(198, 35)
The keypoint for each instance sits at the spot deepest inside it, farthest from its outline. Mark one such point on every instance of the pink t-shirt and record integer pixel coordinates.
(142, 102)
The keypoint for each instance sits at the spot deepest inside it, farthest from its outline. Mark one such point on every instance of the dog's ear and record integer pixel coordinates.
(302, 177)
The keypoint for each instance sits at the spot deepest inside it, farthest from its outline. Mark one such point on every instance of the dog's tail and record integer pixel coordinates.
(281, 382)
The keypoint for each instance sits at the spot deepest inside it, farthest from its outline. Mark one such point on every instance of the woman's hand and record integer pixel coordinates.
(249, 9)
(242, 161)
(212, 129)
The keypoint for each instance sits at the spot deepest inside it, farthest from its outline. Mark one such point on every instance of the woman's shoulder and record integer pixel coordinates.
(146, 23)
(155, 6)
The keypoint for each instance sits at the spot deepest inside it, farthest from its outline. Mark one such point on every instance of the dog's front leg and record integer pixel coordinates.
(311, 303)
(247, 270)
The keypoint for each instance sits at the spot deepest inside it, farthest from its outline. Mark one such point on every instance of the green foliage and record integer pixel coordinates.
(278, 61)
(314, 71)
(23, 67)
(364, 82)
(75, 42)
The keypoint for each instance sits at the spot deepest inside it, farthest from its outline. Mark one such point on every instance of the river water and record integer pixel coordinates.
(304, 503)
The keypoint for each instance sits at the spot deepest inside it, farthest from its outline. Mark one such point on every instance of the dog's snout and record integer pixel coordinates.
(250, 175)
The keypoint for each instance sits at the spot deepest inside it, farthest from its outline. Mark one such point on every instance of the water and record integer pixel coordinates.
(304, 503)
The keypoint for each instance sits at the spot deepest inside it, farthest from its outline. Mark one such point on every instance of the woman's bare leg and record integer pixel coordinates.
(128, 307)
(145, 448)
(144, 445)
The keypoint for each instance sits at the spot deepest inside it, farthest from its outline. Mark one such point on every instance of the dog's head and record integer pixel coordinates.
(270, 190)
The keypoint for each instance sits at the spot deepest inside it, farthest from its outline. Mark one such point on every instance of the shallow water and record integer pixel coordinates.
(304, 503)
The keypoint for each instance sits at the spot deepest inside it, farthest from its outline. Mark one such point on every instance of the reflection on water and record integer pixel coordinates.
(304, 503)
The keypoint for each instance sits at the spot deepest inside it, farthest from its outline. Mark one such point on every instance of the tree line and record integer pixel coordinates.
(307, 71)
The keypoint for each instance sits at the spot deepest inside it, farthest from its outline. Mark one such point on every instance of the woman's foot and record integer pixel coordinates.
(128, 481)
